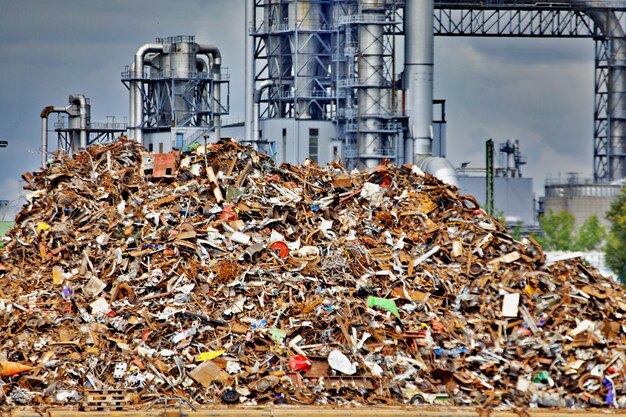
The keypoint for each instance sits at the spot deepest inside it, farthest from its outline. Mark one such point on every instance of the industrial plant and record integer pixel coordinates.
(352, 81)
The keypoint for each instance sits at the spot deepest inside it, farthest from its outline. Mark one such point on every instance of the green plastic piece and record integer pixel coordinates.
(277, 335)
(542, 377)
(385, 304)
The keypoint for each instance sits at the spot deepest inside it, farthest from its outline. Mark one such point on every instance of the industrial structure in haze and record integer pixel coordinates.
(581, 197)
(513, 193)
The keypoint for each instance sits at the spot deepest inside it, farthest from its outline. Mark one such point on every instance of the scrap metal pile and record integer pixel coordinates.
(216, 277)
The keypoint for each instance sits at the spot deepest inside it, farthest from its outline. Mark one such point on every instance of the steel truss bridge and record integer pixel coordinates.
(602, 21)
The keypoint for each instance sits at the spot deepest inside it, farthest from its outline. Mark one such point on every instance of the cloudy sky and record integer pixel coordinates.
(537, 91)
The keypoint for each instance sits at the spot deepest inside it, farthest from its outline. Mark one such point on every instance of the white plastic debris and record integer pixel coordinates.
(340, 362)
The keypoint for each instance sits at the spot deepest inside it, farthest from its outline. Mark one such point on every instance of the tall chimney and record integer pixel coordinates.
(418, 73)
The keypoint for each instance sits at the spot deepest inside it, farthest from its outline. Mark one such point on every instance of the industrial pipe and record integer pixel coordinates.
(255, 111)
(44, 129)
(215, 57)
(418, 72)
(130, 131)
(249, 71)
(137, 87)
(203, 67)
(80, 100)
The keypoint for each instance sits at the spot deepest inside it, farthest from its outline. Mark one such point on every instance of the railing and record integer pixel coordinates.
(363, 18)
(152, 74)
(377, 127)
(63, 124)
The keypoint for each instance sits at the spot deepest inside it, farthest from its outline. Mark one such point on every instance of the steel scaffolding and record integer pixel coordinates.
(602, 21)
(332, 60)
(335, 60)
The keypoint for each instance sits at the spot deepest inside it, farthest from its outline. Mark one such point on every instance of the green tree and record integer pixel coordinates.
(558, 230)
(516, 231)
(590, 234)
(615, 249)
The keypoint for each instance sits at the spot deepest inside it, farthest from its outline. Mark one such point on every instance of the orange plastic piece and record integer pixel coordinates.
(280, 248)
(229, 213)
(13, 368)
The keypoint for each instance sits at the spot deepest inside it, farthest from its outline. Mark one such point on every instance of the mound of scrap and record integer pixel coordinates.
(216, 277)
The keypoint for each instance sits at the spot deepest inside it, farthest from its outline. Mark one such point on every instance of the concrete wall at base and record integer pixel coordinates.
(156, 139)
(514, 196)
(291, 140)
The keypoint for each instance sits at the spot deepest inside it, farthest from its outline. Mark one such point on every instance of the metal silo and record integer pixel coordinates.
(279, 57)
(371, 82)
(305, 18)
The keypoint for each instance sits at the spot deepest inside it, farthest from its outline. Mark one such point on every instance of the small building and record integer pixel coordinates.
(581, 197)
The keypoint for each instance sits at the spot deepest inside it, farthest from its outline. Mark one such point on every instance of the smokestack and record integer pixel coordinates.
(249, 71)
(419, 56)
(418, 73)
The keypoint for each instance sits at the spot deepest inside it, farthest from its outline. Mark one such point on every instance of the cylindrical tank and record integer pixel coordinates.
(371, 82)
(305, 16)
(277, 46)
(179, 64)
(418, 73)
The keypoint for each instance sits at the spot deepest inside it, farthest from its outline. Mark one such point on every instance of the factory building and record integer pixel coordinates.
(581, 197)
(74, 128)
(178, 92)
(321, 82)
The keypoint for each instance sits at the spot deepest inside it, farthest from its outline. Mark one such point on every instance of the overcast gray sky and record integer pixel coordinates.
(537, 91)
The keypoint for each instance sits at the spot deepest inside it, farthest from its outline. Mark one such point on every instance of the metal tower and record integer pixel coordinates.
(293, 45)
(331, 60)
(603, 21)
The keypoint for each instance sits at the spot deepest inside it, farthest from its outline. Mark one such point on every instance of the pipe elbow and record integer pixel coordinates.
(141, 53)
(259, 90)
(212, 50)
(438, 167)
(80, 100)
(46, 112)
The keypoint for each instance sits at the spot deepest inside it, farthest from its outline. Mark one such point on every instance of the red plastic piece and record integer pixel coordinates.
(300, 363)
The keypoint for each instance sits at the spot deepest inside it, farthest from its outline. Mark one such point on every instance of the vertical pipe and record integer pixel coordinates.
(131, 105)
(44, 139)
(80, 100)
(370, 96)
(255, 110)
(418, 61)
(306, 18)
(217, 105)
(249, 68)
(215, 57)
(137, 85)
(44, 129)
(489, 199)
(202, 67)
